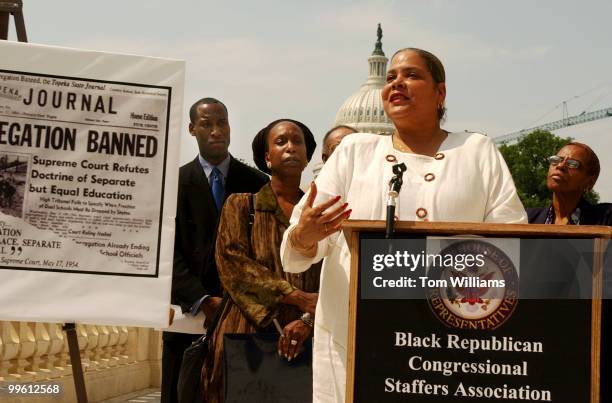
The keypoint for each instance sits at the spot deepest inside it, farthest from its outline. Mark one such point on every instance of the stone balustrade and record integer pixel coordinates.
(116, 359)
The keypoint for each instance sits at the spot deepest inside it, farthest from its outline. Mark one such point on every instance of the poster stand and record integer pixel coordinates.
(75, 361)
(15, 8)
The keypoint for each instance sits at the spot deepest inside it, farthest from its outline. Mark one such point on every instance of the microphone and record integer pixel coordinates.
(395, 185)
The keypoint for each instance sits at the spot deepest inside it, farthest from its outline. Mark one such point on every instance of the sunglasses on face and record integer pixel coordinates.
(555, 160)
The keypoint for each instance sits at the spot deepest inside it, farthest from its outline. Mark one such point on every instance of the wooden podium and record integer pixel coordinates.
(539, 340)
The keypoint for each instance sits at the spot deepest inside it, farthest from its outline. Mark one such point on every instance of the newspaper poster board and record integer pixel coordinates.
(89, 145)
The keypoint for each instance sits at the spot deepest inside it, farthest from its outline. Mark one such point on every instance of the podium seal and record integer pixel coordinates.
(478, 297)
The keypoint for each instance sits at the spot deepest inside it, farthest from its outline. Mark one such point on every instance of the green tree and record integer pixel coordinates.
(527, 161)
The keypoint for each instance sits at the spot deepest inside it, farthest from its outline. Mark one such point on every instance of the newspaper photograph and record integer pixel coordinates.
(85, 160)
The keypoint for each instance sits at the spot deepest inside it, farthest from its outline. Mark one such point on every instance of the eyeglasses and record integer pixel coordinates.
(555, 160)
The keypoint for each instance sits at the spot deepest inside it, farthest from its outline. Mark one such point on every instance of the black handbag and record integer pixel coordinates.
(189, 387)
(254, 372)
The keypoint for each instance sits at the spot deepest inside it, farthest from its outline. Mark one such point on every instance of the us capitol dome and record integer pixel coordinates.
(364, 109)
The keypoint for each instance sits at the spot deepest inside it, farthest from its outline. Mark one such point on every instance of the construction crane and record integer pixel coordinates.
(566, 121)
(557, 124)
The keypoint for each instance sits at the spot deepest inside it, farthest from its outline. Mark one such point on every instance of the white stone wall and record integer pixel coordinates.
(116, 359)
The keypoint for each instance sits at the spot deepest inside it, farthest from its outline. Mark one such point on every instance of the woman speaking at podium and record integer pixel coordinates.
(449, 177)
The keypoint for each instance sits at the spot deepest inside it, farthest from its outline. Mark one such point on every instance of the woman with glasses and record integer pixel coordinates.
(572, 173)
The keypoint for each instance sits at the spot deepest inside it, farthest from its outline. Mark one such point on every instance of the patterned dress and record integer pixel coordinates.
(253, 277)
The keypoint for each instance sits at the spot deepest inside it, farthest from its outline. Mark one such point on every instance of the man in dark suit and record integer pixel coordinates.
(203, 185)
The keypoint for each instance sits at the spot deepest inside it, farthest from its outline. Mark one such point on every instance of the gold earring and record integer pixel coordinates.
(268, 164)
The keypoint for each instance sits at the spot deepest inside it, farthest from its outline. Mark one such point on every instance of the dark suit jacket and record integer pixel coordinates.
(194, 271)
(590, 214)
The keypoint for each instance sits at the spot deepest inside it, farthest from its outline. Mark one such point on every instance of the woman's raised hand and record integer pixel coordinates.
(320, 221)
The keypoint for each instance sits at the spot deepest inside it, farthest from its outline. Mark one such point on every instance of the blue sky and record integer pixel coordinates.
(508, 63)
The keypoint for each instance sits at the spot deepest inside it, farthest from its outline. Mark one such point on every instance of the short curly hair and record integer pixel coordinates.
(193, 111)
(592, 165)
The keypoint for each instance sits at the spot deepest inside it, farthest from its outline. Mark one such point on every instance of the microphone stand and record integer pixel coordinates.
(395, 185)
